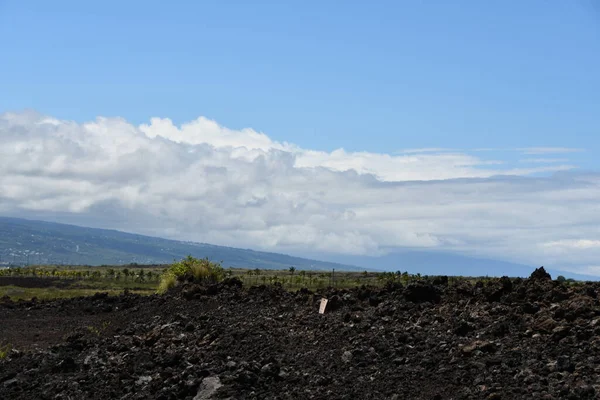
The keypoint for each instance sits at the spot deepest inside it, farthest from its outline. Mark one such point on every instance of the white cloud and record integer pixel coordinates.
(548, 150)
(589, 270)
(204, 130)
(204, 182)
(579, 244)
(426, 150)
(411, 164)
(544, 160)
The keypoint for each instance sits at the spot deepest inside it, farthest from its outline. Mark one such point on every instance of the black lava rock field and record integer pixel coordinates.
(503, 338)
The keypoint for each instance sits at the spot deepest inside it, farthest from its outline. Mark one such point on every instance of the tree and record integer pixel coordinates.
(125, 273)
(561, 278)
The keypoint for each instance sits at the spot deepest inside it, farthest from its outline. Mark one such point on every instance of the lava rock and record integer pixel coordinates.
(540, 274)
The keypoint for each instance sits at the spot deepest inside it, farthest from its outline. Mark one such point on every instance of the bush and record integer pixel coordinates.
(190, 269)
(167, 281)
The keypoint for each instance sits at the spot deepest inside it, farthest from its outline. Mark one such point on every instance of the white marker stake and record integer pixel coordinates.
(323, 306)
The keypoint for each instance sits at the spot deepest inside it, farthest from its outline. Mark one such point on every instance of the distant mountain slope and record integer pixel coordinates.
(444, 263)
(26, 241)
(31, 242)
(437, 263)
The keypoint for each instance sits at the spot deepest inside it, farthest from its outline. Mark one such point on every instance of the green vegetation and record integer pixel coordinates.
(98, 331)
(52, 282)
(57, 282)
(166, 282)
(4, 351)
(87, 274)
(200, 270)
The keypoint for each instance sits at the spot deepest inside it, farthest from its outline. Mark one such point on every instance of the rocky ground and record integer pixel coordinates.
(505, 339)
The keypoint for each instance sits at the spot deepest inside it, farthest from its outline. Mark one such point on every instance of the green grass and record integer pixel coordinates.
(167, 282)
(99, 330)
(76, 281)
(4, 351)
(305, 278)
(69, 282)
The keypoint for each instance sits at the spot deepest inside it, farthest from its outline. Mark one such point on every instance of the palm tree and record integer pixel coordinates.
(125, 273)
(292, 270)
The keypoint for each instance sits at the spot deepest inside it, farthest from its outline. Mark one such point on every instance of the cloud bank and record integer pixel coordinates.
(203, 182)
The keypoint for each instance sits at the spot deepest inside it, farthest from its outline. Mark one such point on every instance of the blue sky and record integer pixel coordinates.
(366, 76)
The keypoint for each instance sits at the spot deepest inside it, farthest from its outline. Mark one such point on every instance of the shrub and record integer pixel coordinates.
(167, 281)
(191, 269)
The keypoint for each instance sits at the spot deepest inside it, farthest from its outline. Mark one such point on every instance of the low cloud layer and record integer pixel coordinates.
(204, 182)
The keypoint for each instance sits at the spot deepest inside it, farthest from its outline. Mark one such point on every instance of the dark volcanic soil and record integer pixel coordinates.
(31, 282)
(524, 339)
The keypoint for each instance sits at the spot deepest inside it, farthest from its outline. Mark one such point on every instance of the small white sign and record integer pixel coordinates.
(323, 306)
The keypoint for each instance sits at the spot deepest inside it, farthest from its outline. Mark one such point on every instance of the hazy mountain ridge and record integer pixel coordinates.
(30, 242)
(24, 241)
